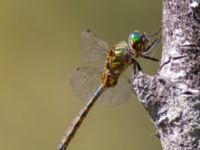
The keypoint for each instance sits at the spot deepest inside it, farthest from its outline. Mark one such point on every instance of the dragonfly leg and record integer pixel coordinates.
(139, 67)
(151, 46)
(136, 66)
(156, 33)
(134, 70)
(151, 58)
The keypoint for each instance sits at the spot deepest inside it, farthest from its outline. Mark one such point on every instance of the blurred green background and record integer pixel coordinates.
(39, 49)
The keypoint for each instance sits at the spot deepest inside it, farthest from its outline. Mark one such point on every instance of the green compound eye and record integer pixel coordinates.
(134, 37)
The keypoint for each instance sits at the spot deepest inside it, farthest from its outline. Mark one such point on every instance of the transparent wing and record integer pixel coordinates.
(92, 48)
(118, 94)
(85, 81)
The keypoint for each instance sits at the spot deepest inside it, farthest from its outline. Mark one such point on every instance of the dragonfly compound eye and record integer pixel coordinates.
(133, 39)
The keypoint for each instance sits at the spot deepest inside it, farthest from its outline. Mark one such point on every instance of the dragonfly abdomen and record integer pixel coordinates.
(69, 134)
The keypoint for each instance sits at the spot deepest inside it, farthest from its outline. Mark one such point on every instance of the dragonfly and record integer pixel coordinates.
(103, 81)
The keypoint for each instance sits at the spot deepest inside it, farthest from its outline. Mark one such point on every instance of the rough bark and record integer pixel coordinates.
(172, 96)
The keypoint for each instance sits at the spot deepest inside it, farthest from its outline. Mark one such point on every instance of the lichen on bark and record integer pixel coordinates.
(172, 96)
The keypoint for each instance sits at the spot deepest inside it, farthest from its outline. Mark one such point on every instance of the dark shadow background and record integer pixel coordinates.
(39, 49)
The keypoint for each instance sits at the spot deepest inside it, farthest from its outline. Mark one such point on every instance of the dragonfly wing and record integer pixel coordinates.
(92, 48)
(85, 81)
(118, 94)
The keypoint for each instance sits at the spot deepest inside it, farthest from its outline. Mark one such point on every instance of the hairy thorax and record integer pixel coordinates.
(118, 59)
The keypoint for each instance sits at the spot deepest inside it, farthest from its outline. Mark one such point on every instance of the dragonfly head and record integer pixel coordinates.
(137, 42)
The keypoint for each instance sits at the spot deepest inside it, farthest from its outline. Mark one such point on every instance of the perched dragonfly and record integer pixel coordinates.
(105, 82)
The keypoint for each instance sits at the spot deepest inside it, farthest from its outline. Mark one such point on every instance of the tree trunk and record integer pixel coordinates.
(172, 97)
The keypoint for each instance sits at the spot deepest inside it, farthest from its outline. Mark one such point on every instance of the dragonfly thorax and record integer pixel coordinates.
(118, 59)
